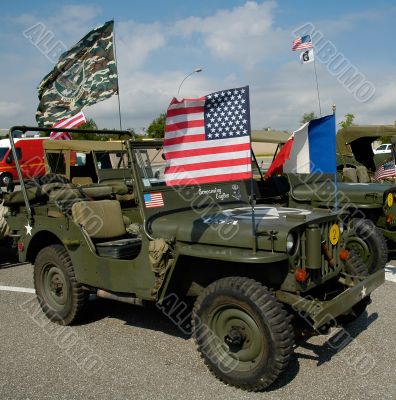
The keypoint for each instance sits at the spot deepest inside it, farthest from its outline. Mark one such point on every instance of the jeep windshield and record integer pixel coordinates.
(150, 167)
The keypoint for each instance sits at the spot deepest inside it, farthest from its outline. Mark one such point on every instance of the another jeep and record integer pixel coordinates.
(363, 205)
(251, 271)
(354, 146)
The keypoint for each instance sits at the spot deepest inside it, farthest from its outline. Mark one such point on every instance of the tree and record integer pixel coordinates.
(90, 124)
(348, 121)
(157, 127)
(307, 117)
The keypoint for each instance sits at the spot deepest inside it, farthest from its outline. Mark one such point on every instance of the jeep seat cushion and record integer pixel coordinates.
(82, 180)
(101, 219)
(119, 186)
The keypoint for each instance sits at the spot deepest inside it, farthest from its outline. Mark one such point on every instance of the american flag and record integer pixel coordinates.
(386, 170)
(208, 139)
(152, 200)
(302, 43)
(72, 122)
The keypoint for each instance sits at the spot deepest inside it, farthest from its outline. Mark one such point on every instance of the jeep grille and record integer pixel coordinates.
(328, 257)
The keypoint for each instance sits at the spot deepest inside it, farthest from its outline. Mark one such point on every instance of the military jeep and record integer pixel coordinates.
(363, 205)
(251, 271)
(354, 146)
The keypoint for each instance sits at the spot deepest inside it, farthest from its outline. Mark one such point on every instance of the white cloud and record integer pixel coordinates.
(135, 42)
(243, 34)
(73, 20)
(69, 23)
(10, 109)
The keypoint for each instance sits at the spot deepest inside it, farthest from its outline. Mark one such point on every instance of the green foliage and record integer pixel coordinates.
(348, 121)
(307, 117)
(91, 125)
(157, 127)
(386, 139)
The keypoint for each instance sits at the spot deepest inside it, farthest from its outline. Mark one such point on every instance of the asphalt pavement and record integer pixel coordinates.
(130, 352)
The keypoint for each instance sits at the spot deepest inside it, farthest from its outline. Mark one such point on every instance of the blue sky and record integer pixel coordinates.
(235, 42)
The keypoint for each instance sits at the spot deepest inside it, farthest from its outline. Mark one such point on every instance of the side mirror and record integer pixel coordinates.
(9, 160)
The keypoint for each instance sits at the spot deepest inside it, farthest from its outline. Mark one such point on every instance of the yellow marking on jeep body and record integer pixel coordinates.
(334, 234)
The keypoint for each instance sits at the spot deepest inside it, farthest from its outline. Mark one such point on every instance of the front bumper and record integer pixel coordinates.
(322, 312)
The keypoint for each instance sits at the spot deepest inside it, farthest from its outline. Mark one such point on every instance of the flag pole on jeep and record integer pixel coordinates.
(19, 172)
(118, 83)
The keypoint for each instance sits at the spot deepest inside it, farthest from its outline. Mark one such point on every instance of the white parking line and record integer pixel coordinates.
(17, 289)
(390, 273)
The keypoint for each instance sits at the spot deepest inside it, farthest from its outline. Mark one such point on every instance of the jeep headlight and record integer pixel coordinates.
(290, 243)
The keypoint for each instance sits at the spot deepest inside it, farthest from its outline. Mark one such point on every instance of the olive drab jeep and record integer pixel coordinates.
(132, 238)
(355, 154)
(369, 214)
(355, 147)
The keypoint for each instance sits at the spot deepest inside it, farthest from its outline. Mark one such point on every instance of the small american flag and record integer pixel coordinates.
(70, 123)
(302, 43)
(386, 170)
(208, 139)
(152, 200)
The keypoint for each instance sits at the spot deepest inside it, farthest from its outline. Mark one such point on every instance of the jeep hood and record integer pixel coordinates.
(233, 227)
(357, 193)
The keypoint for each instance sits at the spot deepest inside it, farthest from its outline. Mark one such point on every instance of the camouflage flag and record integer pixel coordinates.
(84, 75)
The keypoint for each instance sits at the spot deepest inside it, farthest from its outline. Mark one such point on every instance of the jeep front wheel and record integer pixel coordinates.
(61, 297)
(242, 332)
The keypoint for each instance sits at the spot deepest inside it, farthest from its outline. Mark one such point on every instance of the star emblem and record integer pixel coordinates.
(28, 229)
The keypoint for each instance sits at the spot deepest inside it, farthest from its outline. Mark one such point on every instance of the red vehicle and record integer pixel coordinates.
(30, 154)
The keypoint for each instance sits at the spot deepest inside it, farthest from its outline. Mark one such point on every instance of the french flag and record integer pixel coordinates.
(312, 148)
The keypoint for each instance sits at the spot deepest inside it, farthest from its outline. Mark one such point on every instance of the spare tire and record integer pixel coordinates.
(4, 229)
(369, 243)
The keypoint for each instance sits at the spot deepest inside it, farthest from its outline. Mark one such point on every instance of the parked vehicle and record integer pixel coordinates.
(30, 155)
(364, 204)
(354, 146)
(385, 148)
(132, 238)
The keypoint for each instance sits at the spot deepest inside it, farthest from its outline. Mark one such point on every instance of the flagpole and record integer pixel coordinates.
(118, 86)
(317, 87)
(252, 203)
(335, 175)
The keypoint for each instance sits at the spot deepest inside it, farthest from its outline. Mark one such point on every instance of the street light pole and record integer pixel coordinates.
(191, 73)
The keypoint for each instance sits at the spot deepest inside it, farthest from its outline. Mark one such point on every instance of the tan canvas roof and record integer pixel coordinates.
(270, 136)
(83, 146)
(347, 135)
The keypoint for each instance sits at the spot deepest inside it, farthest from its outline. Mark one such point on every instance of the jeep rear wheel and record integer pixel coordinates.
(242, 332)
(61, 297)
(369, 243)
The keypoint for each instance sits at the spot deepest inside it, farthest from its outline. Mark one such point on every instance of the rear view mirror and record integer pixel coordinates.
(9, 159)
